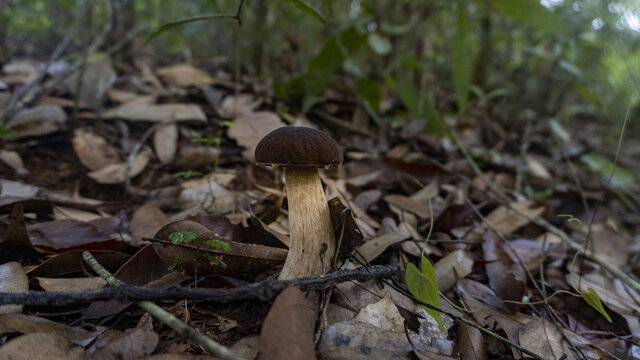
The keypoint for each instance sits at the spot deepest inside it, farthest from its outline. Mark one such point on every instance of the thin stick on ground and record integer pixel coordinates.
(183, 329)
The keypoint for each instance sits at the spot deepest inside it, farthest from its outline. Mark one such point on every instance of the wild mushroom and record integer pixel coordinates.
(302, 151)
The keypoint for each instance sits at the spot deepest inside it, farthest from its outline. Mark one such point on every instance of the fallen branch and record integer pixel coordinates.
(263, 291)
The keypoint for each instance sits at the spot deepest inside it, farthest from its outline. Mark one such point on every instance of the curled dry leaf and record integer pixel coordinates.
(165, 142)
(196, 255)
(65, 234)
(249, 128)
(543, 338)
(14, 160)
(234, 106)
(146, 221)
(37, 121)
(344, 226)
(133, 344)
(93, 150)
(157, 112)
(27, 324)
(12, 279)
(287, 331)
(117, 173)
(374, 247)
(184, 75)
(408, 204)
(71, 284)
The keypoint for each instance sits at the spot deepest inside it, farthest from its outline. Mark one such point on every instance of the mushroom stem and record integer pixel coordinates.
(312, 242)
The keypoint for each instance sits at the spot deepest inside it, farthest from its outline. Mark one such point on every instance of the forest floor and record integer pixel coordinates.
(121, 162)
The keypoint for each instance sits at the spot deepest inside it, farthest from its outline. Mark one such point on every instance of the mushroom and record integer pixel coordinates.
(302, 151)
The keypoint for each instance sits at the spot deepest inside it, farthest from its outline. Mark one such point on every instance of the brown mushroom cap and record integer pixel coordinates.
(298, 146)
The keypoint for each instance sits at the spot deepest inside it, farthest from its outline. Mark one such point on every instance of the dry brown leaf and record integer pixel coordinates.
(470, 344)
(93, 150)
(456, 265)
(210, 196)
(371, 249)
(134, 344)
(506, 278)
(287, 331)
(37, 121)
(543, 338)
(234, 106)
(610, 245)
(505, 220)
(359, 341)
(241, 258)
(14, 160)
(68, 233)
(165, 142)
(194, 156)
(91, 84)
(408, 204)
(25, 324)
(40, 346)
(184, 75)
(156, 112)
(62, 212)
(383, 314)
(71, 284)
(12, 279)
(121, 96)
(249, 128)
(146, 221)
(19, 72)
(117, 173)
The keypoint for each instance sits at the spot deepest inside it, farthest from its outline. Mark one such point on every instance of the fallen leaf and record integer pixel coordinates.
(192, 156)
(240, 258)
(12, 279)
(93, 150)
(456, 265)
(165, 142)
(117, 173)
(71, 284)
(408, 204)
(610, 245)
(66, 234)
(61, 212)
(506, 278)
(234, 106)
(156, 112)
(146, 221)
(249, 128)
(506, 220)
(184, 75)
(91, 84)
(133, 344)
(344, 227)
(71, 263)
(543, 338)
(359, 341)
(383, 314)
(121, 96)
(371, 249)
(41, 346)
(27, 324)
(19, 72)
(37, 121)
(470, 344)
(287, 331)
(14, 160)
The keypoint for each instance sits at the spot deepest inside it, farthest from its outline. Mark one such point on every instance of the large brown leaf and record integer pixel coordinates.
(287, 332)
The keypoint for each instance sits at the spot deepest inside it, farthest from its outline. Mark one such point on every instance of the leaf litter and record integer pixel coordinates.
(121, 182)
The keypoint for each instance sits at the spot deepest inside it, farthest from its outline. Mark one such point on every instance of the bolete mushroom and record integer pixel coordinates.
(301, 151)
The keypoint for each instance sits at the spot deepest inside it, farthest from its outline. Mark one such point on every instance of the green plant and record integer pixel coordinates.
(185, 236)
(187, 174)
(423, 285)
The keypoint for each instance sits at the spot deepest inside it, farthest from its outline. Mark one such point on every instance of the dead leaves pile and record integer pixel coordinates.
(169, 150)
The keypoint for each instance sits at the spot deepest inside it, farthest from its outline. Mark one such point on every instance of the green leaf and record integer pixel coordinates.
(306, 7)
(530, 12)
(6, 134)
(176, 261)
(592, 298)
(601, 165)
(371, 92)
(175, 24)
(461, 58)
(425, 288)
(218, 244)
(183, 236)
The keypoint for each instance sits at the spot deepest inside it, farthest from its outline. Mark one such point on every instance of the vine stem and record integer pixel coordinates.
(171, 321)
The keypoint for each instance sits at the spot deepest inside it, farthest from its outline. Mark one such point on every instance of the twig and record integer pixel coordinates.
(207, 343)
(264, 291)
